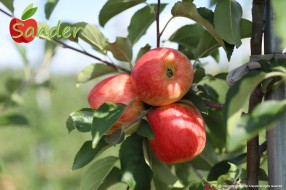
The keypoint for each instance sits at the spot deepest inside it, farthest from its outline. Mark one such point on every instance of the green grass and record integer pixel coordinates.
(40, 156)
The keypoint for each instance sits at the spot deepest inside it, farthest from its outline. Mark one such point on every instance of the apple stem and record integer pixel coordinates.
(64, 45)
(158, 23)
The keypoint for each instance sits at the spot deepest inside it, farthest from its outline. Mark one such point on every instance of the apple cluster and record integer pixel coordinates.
(160, 78)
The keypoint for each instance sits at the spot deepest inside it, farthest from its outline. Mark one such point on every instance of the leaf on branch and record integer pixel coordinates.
(188, 35)
(93, 71)
(49, 7)
(112, 178)
(97, 173)
(121, 49)
(80, 120)
(86, 153)
(145, 130)
(114, 7)
(135, 172)
(227, 16)
(142, 51)
(8, 4)
(104, 118)
(188, 10)
(239, 129)
(264, 116)
(139, 26)
(92, 35)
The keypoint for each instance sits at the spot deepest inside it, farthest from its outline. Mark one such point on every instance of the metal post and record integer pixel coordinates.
(276, 137)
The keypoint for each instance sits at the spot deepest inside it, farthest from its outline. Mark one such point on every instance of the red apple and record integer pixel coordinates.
(179, 132)
(117, 89)
(23, 31)
(162, 76)
(209, 187)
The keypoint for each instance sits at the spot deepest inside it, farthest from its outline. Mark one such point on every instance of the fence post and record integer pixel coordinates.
(276, 137)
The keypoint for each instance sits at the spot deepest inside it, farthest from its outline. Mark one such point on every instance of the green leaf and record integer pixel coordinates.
(139, 26)
(231, 175)
(112, 178)
(205, 46)
(80, 120)
(115, 138)
(93, 36)
(86, 153)
(264, 116)
(96, 174)
(135, 172)
(13, 120)
(245, 28)
(164, 174)
(29, 12)
(188, 35)
(121, 49)
(104, 118)
(197, 101)
(199, 74)
(236, 99)
(215, 122)
(145, 130)
(93, 71)
(227, 16)
(206, 13)
(8, 4)
(279, 24)
(188, 10)
(142, 51)
(206, 159)
(114, 7)
(49, 7)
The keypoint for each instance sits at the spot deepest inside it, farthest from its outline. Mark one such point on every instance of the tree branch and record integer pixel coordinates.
(64, 45)
(158, 23)
(253, 154)
(6, 13)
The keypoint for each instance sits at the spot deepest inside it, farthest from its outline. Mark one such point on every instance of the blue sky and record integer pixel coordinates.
(67, 61)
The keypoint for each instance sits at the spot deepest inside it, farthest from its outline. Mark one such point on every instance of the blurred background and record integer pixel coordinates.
(36, 151)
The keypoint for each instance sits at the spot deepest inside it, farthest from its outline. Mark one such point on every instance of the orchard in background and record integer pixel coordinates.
(157, 119)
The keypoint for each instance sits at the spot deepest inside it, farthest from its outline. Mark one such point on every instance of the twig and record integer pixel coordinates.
(262, 148)
(214, 105)
(64, 45)
(6, 13)
(161, 33)
(158, 23)
(253, 154)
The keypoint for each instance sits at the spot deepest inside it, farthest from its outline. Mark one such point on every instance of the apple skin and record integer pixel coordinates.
(117, 89)
(179, 132)
(26, 24)
(162, 76)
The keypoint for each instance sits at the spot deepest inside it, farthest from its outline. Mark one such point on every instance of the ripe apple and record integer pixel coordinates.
(117, 89)
(179, 132)
(162, 76)
(208, 187)
(23, 31)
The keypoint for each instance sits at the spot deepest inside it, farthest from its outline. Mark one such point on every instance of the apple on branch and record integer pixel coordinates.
(162, 76)
(117, 89)
(179, 132)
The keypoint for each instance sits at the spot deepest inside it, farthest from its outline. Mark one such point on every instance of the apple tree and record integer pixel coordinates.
(234, 106)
